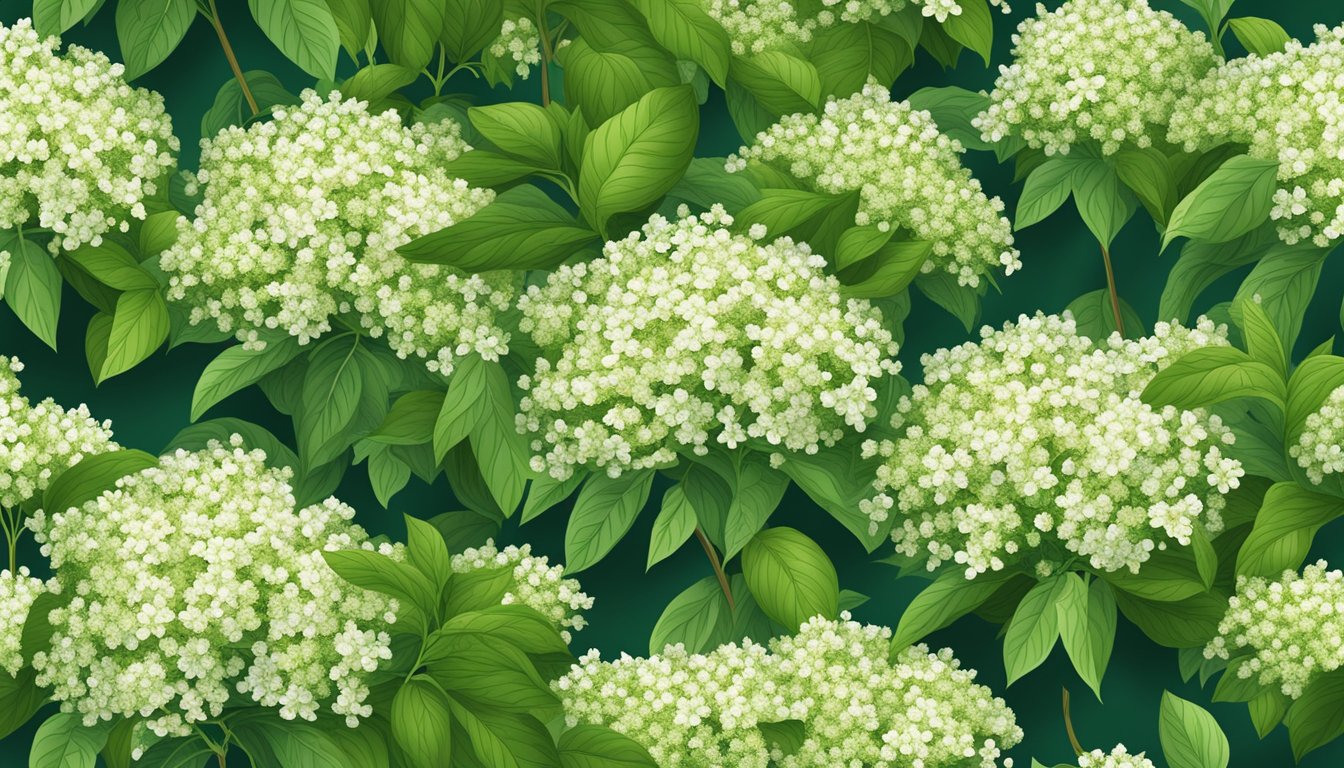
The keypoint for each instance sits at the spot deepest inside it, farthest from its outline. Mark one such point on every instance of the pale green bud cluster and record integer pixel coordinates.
(686, 335)
(518, 44)
(856, 707)
(536, 583)
(1288, 107)
(1287, 631)
(80, 149)
(38, 442)
(17, 593)
(1103, 71)
(908, 175)
(1116, 758)
(1033, 447)
(1320, 447)
(300, 222)
(198, 582)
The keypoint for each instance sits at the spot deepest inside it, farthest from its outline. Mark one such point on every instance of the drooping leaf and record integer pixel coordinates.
(303, 30)
(673, 526)
(603, 513)
(149, 30)
(33, 287)
(692, 617)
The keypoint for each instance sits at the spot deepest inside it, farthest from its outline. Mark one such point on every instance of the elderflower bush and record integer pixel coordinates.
(1289, 631)
(80, 150)
(755, 26)
(1320, 447)
(907, 174)
(1033, 446)
(856, 706)
(17, 593)
(536, 583)
(1116, 758)
(197, 581)
(684, 335)
(518, 45)
(38, 442)
(1287, 107)
(1104, 71)
(300, 222)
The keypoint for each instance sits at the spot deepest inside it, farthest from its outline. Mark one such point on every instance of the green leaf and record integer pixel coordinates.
(973, 28)
(837, 480)
(197, 436)
(597, 746)
(691, 618)
(1212, 375)
(54, 17)
(1285, 280)
(757, 490)
(149, 30)
(791, 577)
(1235, 199)
(546, 492)
(303, 30)
(332, 389)
(231, 107)
(236, 368)
(942, 288)
(1181, 624)
(33, 287)
(500, 451)
(1095, 316)
(1149, 175)
(888, 272)
(303, 746)
(688, 32)
(411, 419)
(1259, 36)
(1200, 264)
(673, 526)
(1262, 340)
(20, 699)
(469, 26)
(1047, 187)
(782, 83)
(1190, 736)
(947, 599)
(421, 725)
(603, 513)
(1104, 203)
(180, 752)
(859, 243)
(637, 156)
(601, 83)
(378, 81)
(521, 129)
(1284, 530)
(517, 625)
(63, 741)
(114, 266)
(353, 22)
(1087, 617)
(1168, 575)
(1267, 710)
(464, 405)
(489, 673)
(1308, 389)
(1032, 632)
(409, 29)
(463, 528)
(954, 110)
(139, 327)
(92, 476)
(378, 573)
(706, 183)
(427, 551)
(522, 229)
(503, 739)
(846, 55)
(1317, 717)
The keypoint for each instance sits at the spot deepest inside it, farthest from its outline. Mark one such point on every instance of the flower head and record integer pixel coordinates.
(907, 174)
(1117, 758)
(536, 583)
(1033, 446)
(1103, 71)
(685, 335)
(518, 45)
(18, 591)
(300, 222)
(856, 706)
(80, 150)
(1320, 447)
(755, 26)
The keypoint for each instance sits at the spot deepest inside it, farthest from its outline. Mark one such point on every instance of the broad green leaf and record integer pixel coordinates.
(236, 368)
(1032, 632)
(489, 673)
(1095, 316)
(859, 243)
(1103, 202)
(691, 618)
(520, 129)
(1180, 624)
(1213, 12)
(63, 741)
(1288, 521)
(790, 577)
(149, 30)
(1259, 36)
(1148, 174)
(973, 28)
(522, 229)
(231, 107)
(378, 81)
(1262, 340)
(1317, 717)
(500, 451)
(954, 109)
(463, 406)
(1087, 618)
(20, 699)
(637, 156)
(1235, 199)
(1200, 264)
(1211, 375)
(409, 29)
(95, 341)
(710, 496)
(596, 746)
(1284, 280)
(54, 17)
(847, 55)
(1267, 710)
(706, 183)
(782, 211)
(411, 419)
(688, 32)
(92, 476)
(603, 513)
(353, 22)
(463, 528)
(1046, 189)
(379, 573)
(469, 26)
(961, 301)
(332, 389)
(138, 328)
(303, 746)
(1308, 388)
(421, 725)
(197, 436)
(601, 83)
(673, 526)
(1168, 575)
(427, 551)
(757, 490)
(33, 287)
(114, 266)
(1190, 736)
(947, 599)
(545, 492)
(503, 739)
(782, 83)
(303, 30)
(837, 480)
(517, 625)
(887, 272)
(179, 752)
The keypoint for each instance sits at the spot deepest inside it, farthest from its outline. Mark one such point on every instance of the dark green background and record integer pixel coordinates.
(150, 404)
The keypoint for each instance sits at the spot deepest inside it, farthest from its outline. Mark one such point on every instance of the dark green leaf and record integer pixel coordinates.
(378, 81)
(469, 26)
(1317, 717)
(1095, 316)
(62, 741)
(782, 83)
(692, 617)
(947, 599)
(688, 32)
(409, 29)
(149, 30)
(236, 368)
(90, 477)
(520, 129)
(973, 28)
(1288, 521)
(521, 230)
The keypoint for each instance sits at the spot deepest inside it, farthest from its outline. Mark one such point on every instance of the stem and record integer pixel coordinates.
(1068, 726)
(546, 54)
(11, 539)
(716, 565)
(440, 79)
(233, 64)
(1115, 295)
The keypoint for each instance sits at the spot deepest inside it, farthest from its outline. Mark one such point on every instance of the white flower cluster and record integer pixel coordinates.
(536, 583)
(1320, 448)
(17, 593)
(1288, 107)
(1036, 439)
(755, 26)
(1107, 71)
(1289, 631)
(38, 442)
(684, 334)
(1118, 758)
(301, 220)
(79, 148)
(199, 579)
(857, 707)
(519, 43)
(907, 173)
(940, 10)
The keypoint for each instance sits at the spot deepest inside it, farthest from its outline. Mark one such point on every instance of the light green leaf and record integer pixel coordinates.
(469, 26)
(303, 30)
(500, 451)
(673, 526)
(1032, 632)
(603, 513)
(379, 573)
(847, 55)
(1259, 36)
(1308, 388)
(421, 724)
(546, 492)
(1047, 187)
(1104, 203)
(353, 22)
(1087, 617)
(113, 266)
(688, 32)
(1211, 375)
(332, 389)
(1262, 340)
(409, 29)
(782, 83)
(231, 107)
(503, 739)
(139, 327)
(706, 183)
(521, 129)
(1284, 529)
(596, 746)
(90, 477)
(477, 667)
(54, 17)
(1149, 175)
(63, 741)
(33, 287)
(304, 746)
(411, 420)
(691, 618)
(790, 577)
(236, 368)
(757, 490)
(601, 83)
(378, 81)
(1285, 279)
(973, 28)
(947, 599)
(1235, 199)
(888, 272)
(464, 405)
(1095, 316)
(1190, 736)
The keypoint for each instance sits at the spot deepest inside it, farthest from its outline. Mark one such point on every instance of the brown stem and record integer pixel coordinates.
(1068, 726)
(716, 565)
(546, 54)
(237, 73)
(1115, 295)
